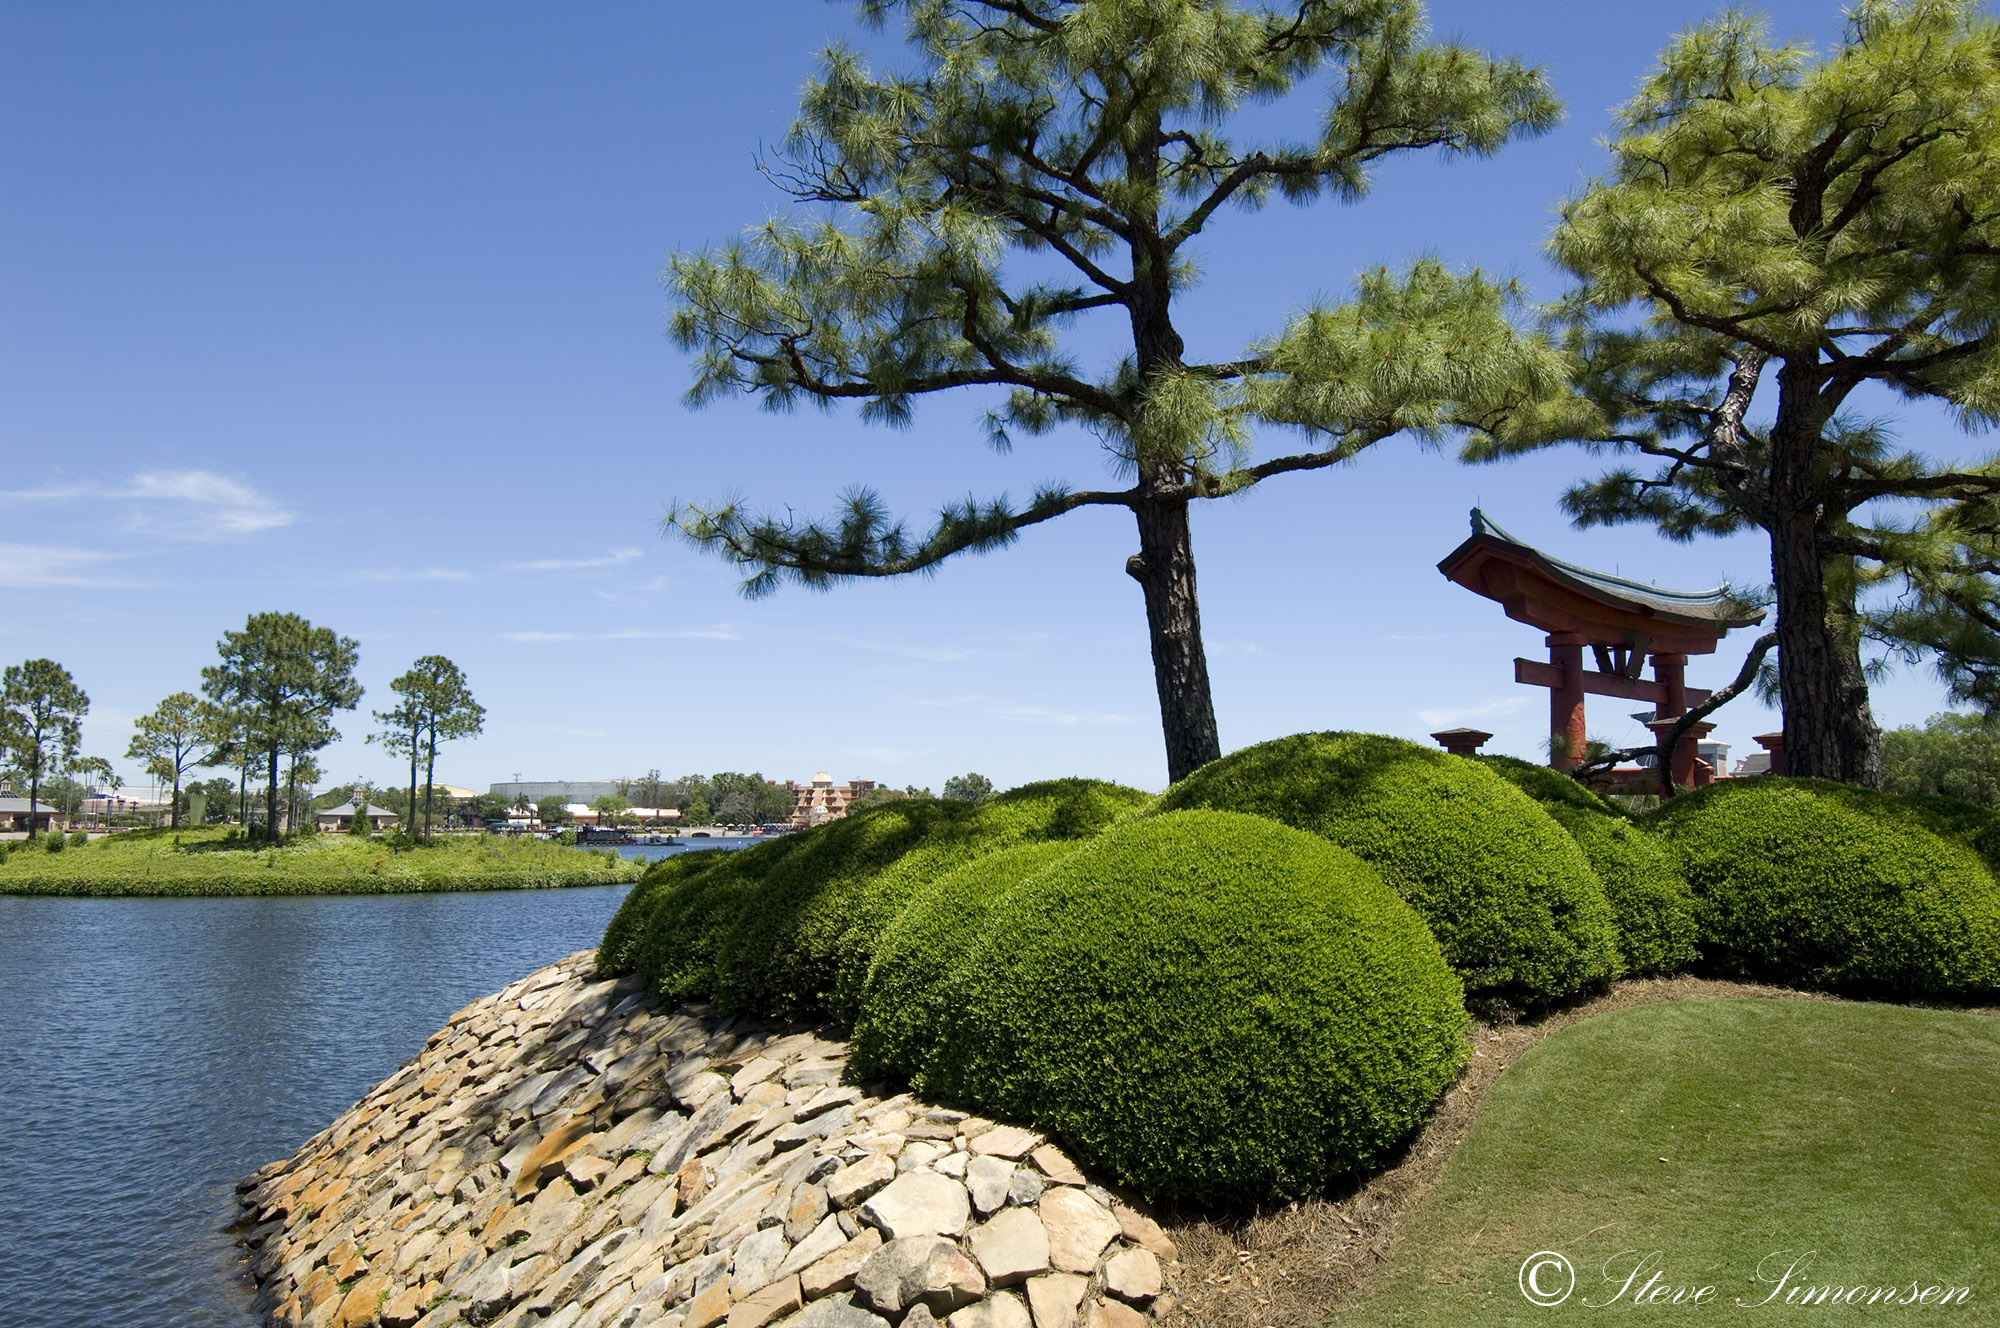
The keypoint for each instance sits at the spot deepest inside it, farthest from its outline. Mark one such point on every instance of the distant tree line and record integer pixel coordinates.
(266, 707)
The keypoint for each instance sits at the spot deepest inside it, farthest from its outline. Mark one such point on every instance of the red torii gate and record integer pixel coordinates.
(1625, 624)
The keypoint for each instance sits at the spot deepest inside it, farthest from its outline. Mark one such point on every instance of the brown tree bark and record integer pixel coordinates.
(1164, 569)
(1830, 731)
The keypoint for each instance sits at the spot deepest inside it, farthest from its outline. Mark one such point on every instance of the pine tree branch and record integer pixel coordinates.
(1671, 739)
(864, 543)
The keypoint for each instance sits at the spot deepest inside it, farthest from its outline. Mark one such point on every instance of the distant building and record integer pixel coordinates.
(339, 820)
(14, 813)
(823, 800)
(569, 790)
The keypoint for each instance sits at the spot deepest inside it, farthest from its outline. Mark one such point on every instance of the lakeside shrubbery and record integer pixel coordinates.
(774, 928)
(1252, 985)
(1510, 896)
(217, 862)
(1211, 1007)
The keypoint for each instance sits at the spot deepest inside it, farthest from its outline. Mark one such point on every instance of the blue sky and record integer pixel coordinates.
(354, 311)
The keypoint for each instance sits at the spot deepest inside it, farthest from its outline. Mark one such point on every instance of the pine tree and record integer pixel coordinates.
(1092, 136)
(1777, 233)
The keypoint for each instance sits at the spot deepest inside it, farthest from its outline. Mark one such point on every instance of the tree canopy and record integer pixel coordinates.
(172, 740)
(41, 724)
(1044, 161)
(283, 678)
(1778, 232)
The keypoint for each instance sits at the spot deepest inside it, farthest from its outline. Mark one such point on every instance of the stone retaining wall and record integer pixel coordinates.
(575, 1154)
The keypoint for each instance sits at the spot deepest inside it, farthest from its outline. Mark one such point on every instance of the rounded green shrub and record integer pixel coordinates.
(1208, 1006)
(787, 929)
(911, 991)
(1822, 885)
(1551, 788)
(1650, 901)
(1509, 895)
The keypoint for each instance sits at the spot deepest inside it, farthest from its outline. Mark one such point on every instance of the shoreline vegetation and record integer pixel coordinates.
(219, 862)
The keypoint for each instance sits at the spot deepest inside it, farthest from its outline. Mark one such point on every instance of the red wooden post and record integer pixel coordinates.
(1774, 743)
(1670, 671)
(1687, 752)
(1566, 726)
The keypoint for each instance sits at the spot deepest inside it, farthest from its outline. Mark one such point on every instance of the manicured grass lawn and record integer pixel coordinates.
(1863, 1141)
(203, 862)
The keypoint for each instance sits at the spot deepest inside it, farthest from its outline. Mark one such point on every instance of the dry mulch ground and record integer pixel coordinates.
(1292, 1267)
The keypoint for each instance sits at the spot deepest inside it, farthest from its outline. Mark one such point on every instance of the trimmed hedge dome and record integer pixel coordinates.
(1650, 900)
(1207, 1005)
(1509, 895)
(772, 929)
(911, 988)
(1822, 885)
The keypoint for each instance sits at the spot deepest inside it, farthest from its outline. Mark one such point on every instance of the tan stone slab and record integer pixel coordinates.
(1133, 1275)
(360, 1304)
(1054, 1297)
(773, 1302)
(1004, 1141)
(709, 1306)
(1055, 1164)
(836, 1271)
(1078, 1228)
(1144, 1232)
(1111, 1314)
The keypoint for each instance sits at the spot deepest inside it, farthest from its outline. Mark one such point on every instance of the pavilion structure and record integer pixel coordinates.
(1626, 626)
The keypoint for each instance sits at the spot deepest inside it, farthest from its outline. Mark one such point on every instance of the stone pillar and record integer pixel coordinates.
(1774, 743)
(1670, 671)
(1461, 742)
(1688, 753)
(1566, 731)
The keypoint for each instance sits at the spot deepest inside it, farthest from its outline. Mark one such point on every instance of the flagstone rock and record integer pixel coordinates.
(987, 1179)
(1078, 1228)
(1133, 1275)
(1012, 1247)
(919, 1203)
(573, 1153)
(1054, 1297)
(1002, 1310)
(919, 1268)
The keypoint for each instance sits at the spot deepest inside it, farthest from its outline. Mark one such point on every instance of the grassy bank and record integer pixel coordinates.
(207, 862)
(1749, 1146)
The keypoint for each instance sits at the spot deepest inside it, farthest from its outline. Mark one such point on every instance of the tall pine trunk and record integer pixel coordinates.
(430, 771)
(1164, 569)
(271, 798)
(1829, 728)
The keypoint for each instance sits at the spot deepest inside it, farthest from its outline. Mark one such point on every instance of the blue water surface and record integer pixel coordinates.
(152, 1051)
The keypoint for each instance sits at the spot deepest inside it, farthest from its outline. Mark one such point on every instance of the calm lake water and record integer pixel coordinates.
(153, 1051)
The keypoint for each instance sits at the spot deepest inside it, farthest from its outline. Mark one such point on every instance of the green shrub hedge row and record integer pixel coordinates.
(788, 928)
(1823, 885)
(1510, 896)
(1210, 1007)
(1650, 902)
(1246, 989)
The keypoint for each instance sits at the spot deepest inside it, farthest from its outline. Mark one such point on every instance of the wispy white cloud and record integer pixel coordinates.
(719, 632)
(176, 504)
(611, 559)
(1498, 709)
(402, 574)
(1001, 708)
(46, 566)
(210, 506)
